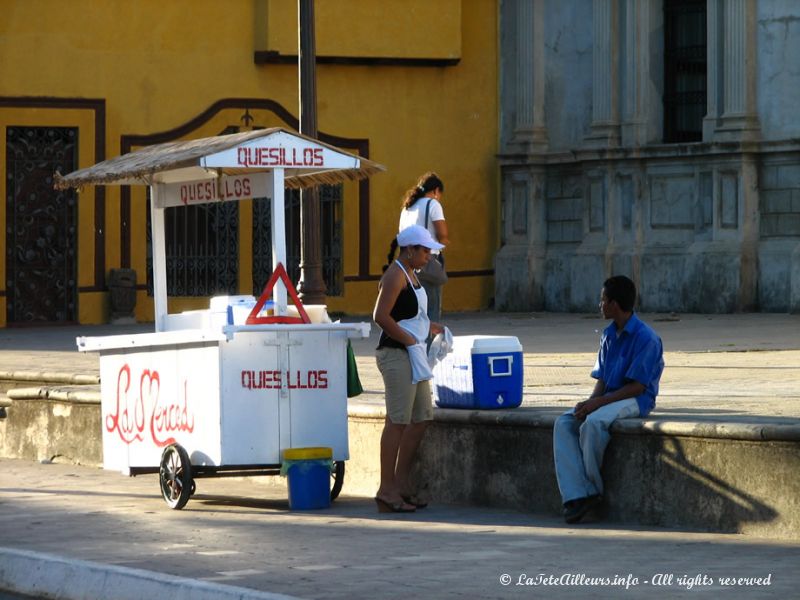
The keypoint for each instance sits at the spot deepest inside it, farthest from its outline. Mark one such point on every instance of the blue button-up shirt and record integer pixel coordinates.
(636, 354)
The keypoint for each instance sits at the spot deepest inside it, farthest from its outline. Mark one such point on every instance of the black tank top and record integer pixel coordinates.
(405, 307)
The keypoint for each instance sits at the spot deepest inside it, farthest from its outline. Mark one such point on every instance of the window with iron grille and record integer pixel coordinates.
(330, 198)
(684, 70)
(202, 247)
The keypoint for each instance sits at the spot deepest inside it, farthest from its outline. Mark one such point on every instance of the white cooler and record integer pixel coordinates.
(483, 372)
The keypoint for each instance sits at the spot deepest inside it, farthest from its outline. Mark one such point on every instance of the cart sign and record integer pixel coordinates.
(217, 189)
(280, 151)
(157, 397)
(140, 411)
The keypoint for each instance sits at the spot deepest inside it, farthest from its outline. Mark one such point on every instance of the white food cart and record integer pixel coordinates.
(200, 396)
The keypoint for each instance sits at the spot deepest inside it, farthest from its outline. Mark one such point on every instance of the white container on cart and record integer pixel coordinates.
(225, 310)
(482, 372)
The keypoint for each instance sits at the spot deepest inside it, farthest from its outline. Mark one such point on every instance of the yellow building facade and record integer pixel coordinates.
(411, 84)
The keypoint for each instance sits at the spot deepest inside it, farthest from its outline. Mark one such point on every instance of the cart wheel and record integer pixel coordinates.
(337, 478)
(176, 476)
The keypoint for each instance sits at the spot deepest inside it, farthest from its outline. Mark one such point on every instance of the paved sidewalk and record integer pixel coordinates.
(739, 368)
(241, 533)
(730, 368)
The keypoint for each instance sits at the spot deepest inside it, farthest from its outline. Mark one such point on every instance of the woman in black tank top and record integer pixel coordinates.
(397, 301)
(405, 307)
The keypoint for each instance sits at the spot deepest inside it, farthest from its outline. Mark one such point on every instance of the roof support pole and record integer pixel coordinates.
(312, 285)
(159, 249)
(278, 225)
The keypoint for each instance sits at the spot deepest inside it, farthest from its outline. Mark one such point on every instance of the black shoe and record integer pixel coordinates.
(575, 510)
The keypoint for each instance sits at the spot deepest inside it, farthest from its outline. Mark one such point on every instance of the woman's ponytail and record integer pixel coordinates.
(426, 183)
(390, 256)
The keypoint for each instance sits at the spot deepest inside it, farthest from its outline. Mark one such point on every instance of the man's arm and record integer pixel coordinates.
(598, 398)
(599, 388)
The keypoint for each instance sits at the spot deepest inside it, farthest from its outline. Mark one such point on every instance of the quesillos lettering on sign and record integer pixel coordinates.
(277, 156)
(215, 188)
(294, 380)
(232, 188)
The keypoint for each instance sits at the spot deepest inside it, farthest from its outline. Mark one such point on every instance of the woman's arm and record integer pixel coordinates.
(392, 284)
(442, 236)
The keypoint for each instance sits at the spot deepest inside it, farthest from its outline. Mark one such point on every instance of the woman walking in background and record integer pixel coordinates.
(422, 206)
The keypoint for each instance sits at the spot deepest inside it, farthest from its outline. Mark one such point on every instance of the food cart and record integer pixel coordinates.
(204, 396)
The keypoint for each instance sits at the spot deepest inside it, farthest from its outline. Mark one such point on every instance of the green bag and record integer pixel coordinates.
(353, 382)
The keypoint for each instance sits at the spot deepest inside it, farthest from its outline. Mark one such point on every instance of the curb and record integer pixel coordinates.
(49, 576)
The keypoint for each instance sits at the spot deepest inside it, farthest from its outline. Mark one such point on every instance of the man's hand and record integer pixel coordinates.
(436, 328)
(588, 406)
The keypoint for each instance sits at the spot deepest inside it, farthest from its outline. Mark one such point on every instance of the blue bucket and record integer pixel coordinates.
(309, 474)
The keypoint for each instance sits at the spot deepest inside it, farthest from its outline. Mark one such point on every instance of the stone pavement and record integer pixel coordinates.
(731, 368)
(738, 369)
(241, 533)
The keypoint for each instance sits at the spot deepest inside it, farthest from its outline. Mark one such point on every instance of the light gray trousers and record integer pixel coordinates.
(578, 447)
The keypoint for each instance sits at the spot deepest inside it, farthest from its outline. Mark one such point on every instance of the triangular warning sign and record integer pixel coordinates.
(254, 319)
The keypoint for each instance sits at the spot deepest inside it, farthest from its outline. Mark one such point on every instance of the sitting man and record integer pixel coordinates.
(628, 369)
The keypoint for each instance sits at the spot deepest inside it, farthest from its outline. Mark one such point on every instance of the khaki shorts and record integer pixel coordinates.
(406, 402)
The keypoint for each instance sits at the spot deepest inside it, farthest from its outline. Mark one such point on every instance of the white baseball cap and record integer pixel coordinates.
(416, 235)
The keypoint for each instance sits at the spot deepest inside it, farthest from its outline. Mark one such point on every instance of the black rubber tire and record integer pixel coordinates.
(337, 478)
(175, 476)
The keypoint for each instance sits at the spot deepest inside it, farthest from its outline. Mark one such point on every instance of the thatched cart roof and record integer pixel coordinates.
(184, 161)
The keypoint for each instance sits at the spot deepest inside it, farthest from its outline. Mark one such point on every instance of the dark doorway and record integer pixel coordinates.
(41, 226)
(684, 70)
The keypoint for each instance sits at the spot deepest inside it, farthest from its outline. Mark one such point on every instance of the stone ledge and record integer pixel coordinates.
(83, 394)
(50, 377)
(536, 418)
(789, 430)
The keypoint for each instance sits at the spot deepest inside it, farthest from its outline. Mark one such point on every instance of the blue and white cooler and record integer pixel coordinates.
(482, 372)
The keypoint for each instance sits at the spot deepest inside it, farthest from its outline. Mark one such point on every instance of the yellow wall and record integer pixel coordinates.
(159, 64)
(384, 28)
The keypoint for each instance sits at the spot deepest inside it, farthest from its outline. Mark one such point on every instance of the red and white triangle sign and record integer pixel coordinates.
(278, 273)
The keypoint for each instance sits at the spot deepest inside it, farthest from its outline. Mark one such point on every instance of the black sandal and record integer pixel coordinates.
(395, 507)
(414, 501)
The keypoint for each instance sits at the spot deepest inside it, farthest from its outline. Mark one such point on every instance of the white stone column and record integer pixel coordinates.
(630, 53)
(732, 62)
(713, 74)
(605, 130)
(530, 132)
(524, 66)
(641, 106)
